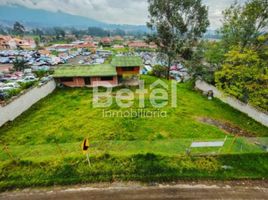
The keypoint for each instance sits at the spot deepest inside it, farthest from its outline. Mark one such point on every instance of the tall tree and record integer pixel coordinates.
(242, 24)
(178, 25)
(18, 29)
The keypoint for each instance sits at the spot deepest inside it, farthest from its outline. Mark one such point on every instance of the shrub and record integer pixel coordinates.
(27, 85)
(159, 71)
(14, 92)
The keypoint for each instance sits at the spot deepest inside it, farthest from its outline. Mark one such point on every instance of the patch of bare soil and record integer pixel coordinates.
(227, 127)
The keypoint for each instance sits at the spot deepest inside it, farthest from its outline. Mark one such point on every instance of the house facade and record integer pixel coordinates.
(122, 70)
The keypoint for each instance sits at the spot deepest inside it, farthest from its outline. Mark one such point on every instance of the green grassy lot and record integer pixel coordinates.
(43, 145)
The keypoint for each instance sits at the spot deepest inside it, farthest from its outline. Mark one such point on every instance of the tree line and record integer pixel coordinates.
(236, 64)
(19, 29)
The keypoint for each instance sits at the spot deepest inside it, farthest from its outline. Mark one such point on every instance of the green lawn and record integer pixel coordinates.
(43, 146)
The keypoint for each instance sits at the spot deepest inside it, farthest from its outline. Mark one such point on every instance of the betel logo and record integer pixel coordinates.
(160, 94)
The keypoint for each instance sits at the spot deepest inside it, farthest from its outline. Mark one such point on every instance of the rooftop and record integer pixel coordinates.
(127, 61)
(85, 70)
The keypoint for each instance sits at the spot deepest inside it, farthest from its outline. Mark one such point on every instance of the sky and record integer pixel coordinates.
(115, 11)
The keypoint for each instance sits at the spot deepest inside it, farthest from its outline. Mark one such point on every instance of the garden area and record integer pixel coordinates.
(43, 146)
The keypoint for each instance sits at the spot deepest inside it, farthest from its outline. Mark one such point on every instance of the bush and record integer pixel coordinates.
(27, 85)
(13, 92)
(159, 71)
(41, 73)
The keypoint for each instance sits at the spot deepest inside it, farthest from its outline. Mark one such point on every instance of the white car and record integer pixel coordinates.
(9, 86)
(4, 89)
(12, 85)
(81, 62)
(27, 79)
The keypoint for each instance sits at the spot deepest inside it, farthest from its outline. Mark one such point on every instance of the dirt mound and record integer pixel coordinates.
(227, 127)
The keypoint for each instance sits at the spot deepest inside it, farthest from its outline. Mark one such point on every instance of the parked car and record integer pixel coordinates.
(27, 79)
(13, 85)
(3, 95)
(4, 60)
(45, 80)
(5, 89)
(4, 79)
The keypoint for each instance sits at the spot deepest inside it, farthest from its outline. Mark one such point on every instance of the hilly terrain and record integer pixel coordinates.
(42, 18)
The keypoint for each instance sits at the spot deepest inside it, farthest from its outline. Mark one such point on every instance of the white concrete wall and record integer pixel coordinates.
(252, 112)
(19, 105)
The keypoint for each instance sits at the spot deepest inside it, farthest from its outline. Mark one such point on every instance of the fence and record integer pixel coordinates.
(252, 112)
(23, 102)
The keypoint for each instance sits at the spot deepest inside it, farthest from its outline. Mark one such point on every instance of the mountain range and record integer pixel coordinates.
(37, 18)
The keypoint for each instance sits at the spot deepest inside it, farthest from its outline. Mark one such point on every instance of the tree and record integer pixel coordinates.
(2, 30)
(18, 29)
(159, 71)
(59, 32)
(38, 33)
(178, 25)
(242, 25)
(19, 64)
(214, 53)
(245, 76)
(95, 31)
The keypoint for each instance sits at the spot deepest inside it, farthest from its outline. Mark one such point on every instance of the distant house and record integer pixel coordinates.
(7, 42)
(118, 38)
(137, 44)
(122, 70)
(106, 42)
(86, 45)
(4, 42)
(61, 47)
(141, 44)
(87, 38)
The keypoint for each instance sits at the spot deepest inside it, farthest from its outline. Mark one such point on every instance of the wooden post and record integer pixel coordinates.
(88, 160)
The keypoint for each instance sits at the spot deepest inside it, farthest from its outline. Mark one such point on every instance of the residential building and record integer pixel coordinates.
(122, 70)
(4, 42)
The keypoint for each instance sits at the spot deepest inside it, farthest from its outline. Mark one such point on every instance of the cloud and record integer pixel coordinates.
(114, 11)
(215, 10)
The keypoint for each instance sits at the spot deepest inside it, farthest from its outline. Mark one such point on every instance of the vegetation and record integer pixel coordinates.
(242, 25)
(17, 91)
(244, 70)
(237, 64)
(18, 29)
(159, 71)
(43, 146)
(19, 64)
(177, 29)
(245, 76)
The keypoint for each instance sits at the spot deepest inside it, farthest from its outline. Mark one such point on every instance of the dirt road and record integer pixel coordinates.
(135, 191)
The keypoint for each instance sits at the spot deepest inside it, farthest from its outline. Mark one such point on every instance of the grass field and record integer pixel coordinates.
(43, 146)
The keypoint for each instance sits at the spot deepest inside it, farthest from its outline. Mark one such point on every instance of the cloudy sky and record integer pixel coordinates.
(114, 11)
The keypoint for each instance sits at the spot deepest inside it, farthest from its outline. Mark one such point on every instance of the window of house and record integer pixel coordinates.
(67, 79)
(128, 69)
(107, 78)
